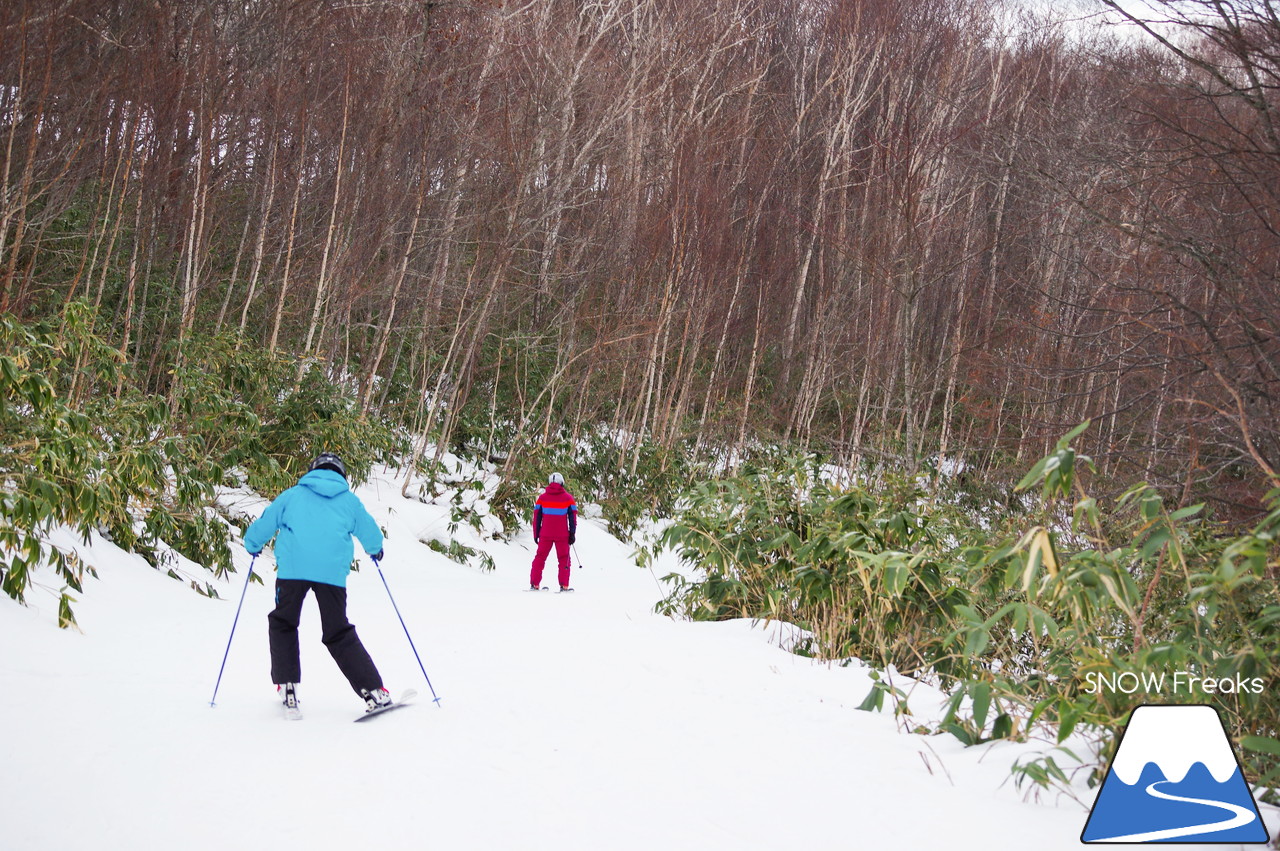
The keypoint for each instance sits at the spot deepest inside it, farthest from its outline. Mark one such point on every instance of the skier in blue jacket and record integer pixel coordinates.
(313, 522)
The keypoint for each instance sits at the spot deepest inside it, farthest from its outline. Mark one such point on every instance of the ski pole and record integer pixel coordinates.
(435, 699)
(233, 632)
(577, 556)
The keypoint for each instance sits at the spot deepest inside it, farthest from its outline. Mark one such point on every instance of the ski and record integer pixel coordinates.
(565, 591)
(408, 695)
(292, 706)
(543, 588)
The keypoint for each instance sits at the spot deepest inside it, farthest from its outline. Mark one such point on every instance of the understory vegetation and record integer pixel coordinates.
(90, 447)
(1044, 616)
(86, 448)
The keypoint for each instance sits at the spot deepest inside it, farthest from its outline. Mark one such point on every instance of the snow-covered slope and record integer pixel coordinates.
(575, 721)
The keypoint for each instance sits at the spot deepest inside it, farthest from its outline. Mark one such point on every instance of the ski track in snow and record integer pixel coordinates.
(1241, 816)
(565, 722)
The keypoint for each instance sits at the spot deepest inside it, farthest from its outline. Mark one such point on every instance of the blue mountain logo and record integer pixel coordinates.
(1175, 779)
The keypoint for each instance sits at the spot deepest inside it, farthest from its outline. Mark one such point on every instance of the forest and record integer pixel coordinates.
(884, 230)
(670, 243)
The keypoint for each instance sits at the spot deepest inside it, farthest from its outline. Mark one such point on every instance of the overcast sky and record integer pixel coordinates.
(1092, 13)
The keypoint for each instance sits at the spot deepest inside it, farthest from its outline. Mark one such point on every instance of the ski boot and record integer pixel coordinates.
(288, 693)
(376, 698)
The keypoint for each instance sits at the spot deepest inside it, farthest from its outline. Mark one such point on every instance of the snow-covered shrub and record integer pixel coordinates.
(1019, 621)
(628, 481)
(90, 448)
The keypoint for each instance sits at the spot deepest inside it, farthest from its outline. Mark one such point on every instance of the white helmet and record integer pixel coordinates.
(556, 479)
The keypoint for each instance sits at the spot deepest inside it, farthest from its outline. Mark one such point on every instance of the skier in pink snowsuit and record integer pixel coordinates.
(555, 521)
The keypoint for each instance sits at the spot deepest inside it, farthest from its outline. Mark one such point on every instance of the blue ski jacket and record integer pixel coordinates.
(316, 519)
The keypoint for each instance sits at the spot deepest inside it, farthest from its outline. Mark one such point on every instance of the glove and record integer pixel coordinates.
(377, 557)
(573, 536)
(535, 539)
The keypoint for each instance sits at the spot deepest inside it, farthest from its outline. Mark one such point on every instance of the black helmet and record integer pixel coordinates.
(329, 461)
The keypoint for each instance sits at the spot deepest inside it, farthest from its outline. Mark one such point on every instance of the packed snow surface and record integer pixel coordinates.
(566, 721)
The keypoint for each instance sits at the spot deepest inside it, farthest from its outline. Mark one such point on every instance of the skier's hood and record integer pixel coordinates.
(325, 483)
(555, 489)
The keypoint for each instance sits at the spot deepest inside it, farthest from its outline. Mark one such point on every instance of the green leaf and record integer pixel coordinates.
(976, 641)
(1156, 541)
(955, 729)
(981, 694)
(874, 700)
(1151, 505)
(1033, 475)
(1085, 510)
(66, 619)
(1003, 727)
(1260, 744)
(1073, 434)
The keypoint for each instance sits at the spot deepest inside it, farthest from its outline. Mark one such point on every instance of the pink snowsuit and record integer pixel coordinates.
(555, 521)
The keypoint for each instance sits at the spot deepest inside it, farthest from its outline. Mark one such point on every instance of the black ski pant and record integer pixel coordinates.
(338, 634)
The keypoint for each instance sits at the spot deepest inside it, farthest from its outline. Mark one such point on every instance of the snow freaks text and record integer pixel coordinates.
(1176, 682)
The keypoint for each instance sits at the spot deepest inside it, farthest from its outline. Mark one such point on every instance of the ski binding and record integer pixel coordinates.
(407, 696)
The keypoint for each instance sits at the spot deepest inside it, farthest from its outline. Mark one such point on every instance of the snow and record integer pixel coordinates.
(575, 721)
(1175, 738)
